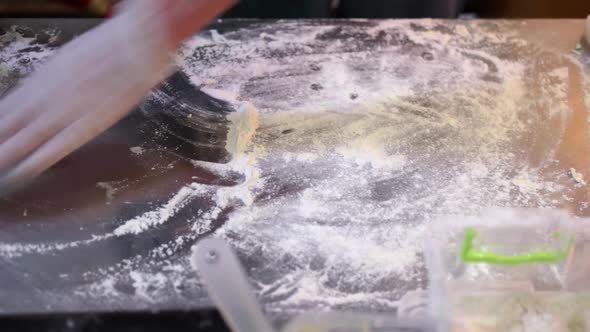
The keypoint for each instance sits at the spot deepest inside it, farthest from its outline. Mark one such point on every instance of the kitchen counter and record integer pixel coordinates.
(367, 131)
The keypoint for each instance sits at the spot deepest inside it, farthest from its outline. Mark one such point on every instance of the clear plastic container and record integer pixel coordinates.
(345, 322)
(510, 270)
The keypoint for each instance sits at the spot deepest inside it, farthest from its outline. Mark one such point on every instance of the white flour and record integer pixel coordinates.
(15, 61)
(356, 150)
(137, 150)
(363, 172)
(152, 218)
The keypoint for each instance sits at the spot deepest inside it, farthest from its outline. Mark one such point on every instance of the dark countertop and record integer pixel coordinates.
(368, 130)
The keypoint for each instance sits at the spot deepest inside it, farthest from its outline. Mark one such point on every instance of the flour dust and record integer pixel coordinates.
(367, 130)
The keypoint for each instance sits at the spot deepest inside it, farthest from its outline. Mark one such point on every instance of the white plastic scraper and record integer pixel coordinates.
(228, 286)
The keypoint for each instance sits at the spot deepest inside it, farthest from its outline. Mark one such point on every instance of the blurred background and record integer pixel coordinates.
(328, 8)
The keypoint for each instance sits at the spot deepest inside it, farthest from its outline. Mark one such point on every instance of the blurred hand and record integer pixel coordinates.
(92, 82)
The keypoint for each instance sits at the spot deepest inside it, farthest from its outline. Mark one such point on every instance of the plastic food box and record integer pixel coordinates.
(500, 270)
(510, 270)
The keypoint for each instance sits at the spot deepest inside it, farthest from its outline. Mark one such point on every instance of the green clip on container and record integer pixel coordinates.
(496, 270)
(470, 254)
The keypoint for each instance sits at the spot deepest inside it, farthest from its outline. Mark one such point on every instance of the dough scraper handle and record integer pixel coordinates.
(228, 287)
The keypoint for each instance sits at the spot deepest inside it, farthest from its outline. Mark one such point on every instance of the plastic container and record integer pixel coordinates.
(348, 322)
(509, 270)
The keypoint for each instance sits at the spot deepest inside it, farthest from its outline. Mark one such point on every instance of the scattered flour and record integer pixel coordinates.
(15, 61)
(300, 157)
(525, 184)
(577, 177)
(161, 215)
(337, 190)
(111, 188)
(367, 173)
(138, 150)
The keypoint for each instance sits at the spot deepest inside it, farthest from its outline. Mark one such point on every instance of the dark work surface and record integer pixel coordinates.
(206, 320)
(111, 274)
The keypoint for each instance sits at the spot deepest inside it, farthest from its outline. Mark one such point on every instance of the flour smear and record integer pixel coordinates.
(367, 131)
